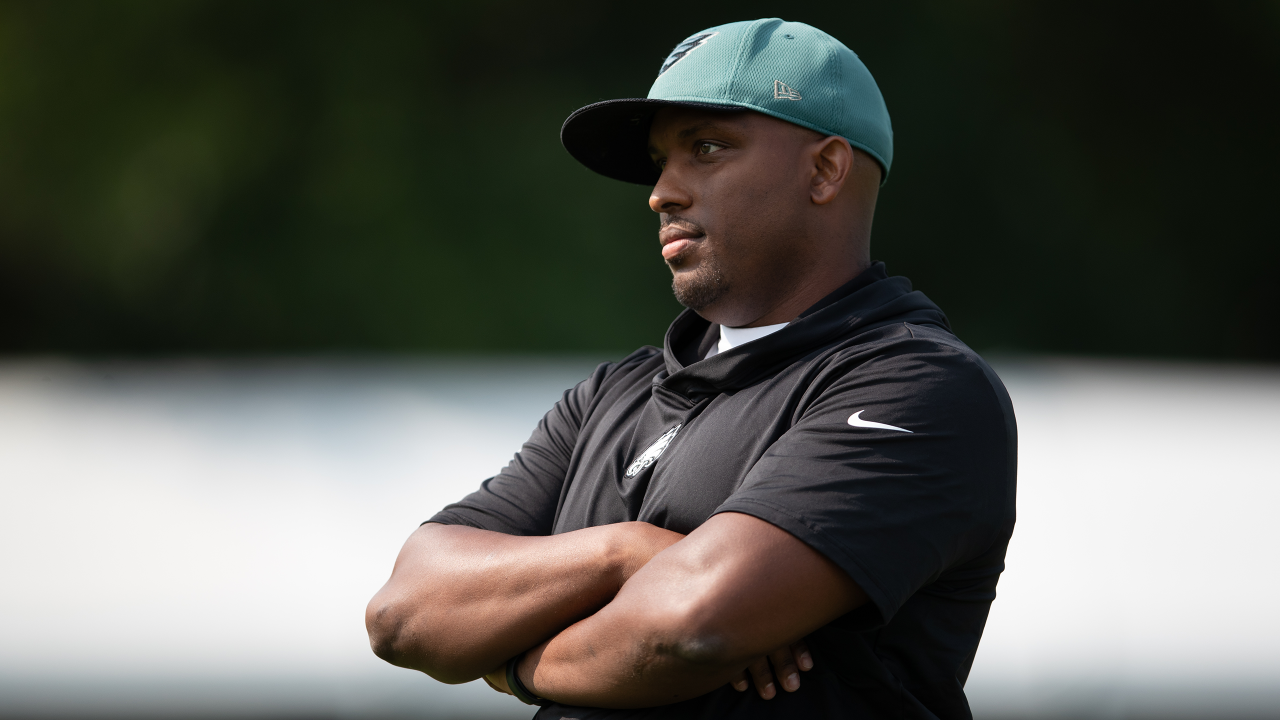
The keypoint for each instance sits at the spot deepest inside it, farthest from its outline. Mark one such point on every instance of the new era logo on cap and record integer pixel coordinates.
(781, 91)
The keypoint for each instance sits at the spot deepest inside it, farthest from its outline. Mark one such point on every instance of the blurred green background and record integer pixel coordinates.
(250, 177)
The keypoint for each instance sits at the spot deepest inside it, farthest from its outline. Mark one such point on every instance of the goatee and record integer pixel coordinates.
(699, 288)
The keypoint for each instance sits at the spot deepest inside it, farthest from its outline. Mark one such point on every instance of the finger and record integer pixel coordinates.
(804, 659)
(742, 682)
(784, 668)
(762, 676)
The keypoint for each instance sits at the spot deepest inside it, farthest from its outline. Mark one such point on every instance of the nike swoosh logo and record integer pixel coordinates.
(856, 421)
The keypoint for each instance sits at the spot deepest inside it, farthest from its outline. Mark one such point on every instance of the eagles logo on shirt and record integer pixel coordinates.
(685, 48)
(650, 455)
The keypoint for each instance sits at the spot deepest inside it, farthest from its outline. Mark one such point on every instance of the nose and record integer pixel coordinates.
(670, 194)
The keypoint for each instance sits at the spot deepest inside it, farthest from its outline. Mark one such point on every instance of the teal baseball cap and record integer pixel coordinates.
(789, 70)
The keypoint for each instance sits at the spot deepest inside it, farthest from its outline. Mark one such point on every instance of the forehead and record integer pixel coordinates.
(677, 123)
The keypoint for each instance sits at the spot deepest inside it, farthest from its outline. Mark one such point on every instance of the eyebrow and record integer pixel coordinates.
(692, 130)
(689, 132)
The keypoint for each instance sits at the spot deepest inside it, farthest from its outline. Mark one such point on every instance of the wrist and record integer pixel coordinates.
(518, 687)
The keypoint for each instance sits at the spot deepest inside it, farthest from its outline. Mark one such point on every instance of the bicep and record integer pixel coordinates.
(522, 499)
(739, 587)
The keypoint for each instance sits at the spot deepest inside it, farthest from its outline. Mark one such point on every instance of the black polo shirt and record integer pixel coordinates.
(864, 428)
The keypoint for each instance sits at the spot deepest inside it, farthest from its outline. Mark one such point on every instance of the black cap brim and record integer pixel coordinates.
(612, 137)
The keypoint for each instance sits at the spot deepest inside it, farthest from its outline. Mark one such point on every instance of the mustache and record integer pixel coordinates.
(682, 223)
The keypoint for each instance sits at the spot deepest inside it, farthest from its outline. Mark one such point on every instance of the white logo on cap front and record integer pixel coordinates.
(781, 91)
(684, 49)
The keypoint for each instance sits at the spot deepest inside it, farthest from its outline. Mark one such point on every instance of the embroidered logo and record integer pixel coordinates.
(782, 91)
(857, 421)
(684, 49)
(650, 455)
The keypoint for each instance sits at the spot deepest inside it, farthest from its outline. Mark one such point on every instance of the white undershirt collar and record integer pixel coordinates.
(731, 338)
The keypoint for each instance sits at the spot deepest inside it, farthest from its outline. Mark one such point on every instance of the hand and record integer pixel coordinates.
(784, 663)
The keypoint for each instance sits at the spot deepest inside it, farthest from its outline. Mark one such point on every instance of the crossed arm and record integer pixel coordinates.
(625, 615)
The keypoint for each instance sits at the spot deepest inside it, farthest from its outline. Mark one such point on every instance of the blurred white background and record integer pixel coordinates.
(200, 539)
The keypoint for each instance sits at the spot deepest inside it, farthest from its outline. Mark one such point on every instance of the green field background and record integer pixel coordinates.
(299, 177)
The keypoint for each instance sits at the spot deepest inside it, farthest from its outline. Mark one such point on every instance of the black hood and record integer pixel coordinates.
(871, 300)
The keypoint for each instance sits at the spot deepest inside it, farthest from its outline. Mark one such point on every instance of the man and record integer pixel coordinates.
(812, 475)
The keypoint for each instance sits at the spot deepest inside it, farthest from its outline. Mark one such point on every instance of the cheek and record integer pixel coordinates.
(751, 211)
(744, 198)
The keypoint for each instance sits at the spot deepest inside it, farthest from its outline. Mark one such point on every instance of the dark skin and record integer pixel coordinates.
(783, 212)
(760, 220)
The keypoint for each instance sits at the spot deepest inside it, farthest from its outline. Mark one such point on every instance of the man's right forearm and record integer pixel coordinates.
(461, 601)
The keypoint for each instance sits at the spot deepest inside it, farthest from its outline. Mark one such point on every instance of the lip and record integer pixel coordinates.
(671, 249)
(676, 240)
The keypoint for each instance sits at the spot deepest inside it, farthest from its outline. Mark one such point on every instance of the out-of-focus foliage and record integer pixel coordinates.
(301, 176)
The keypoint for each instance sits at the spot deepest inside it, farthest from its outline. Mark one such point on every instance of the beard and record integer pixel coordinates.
(699, 288)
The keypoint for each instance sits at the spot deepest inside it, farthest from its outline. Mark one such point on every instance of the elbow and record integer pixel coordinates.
(401, 637)
(392, 636)
(384, 622)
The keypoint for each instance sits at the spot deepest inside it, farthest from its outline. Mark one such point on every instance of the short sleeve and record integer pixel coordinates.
(898, 467)
(522, 499)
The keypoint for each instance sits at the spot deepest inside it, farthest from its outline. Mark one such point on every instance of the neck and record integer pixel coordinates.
(785, 306)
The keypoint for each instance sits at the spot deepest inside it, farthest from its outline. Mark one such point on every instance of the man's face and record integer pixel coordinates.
(733, 197)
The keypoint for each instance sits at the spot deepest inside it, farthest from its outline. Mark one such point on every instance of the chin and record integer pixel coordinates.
(699, 288)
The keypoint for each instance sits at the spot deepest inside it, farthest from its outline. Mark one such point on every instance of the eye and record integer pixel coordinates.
(707, 148)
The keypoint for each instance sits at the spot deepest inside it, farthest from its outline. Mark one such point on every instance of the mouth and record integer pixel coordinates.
(676, 241)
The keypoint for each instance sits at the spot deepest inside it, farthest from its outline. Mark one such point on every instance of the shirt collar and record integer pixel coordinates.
(870, 300)
(731, 338)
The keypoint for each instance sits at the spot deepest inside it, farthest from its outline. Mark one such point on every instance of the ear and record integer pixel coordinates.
(833, 160)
